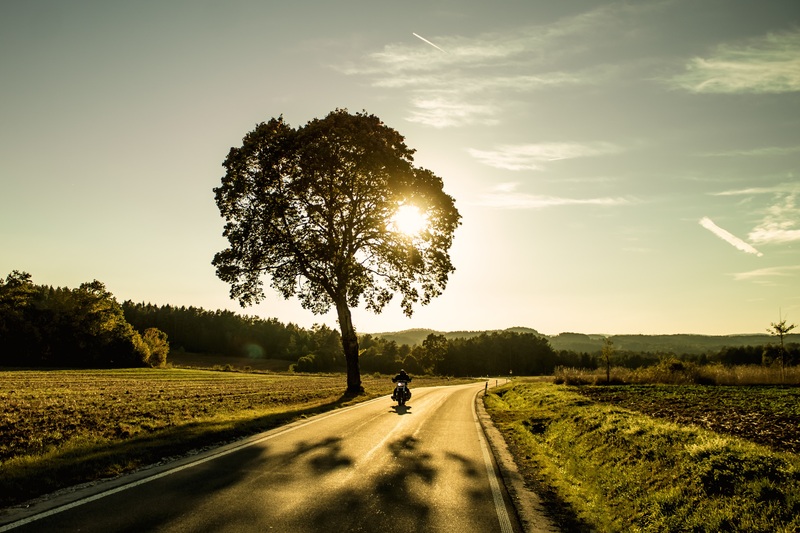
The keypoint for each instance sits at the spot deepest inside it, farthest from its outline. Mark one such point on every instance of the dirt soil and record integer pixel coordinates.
(766, 415)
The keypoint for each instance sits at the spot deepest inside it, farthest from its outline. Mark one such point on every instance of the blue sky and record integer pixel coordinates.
(621, 167)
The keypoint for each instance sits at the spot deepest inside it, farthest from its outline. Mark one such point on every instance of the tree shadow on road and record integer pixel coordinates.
(242, 491)
(209, 497)
(387, 502)
(330, 458)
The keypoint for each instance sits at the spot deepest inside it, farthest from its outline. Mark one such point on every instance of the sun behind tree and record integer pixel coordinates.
(325, 212)
(409, 220)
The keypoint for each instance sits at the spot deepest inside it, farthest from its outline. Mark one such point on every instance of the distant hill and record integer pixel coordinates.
(677, 344)
(416, 336)
(581, 342)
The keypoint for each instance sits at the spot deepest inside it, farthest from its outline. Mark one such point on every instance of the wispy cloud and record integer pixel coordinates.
(532, 156)
(442, 112)
(770, 64)
(781, 224)
(779, 189)
(505, 196)
(728, 237)
(767, 273)
(477, 72)
(766, 151)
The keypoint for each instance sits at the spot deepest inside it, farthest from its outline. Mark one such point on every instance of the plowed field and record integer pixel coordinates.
(768, 415)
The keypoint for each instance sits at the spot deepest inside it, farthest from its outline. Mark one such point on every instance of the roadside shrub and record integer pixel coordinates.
(671, 371)
(156, 341)
(307, 363)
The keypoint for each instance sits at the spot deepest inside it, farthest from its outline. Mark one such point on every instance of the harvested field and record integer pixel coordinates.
(768, 415)
(43, 410)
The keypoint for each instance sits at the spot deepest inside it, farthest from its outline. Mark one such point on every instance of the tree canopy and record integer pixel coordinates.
(84, 327)
(312, 208)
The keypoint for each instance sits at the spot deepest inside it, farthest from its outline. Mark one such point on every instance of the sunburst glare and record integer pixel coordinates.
(409, 220)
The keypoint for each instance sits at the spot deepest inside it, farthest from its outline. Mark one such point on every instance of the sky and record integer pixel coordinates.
(620, 167)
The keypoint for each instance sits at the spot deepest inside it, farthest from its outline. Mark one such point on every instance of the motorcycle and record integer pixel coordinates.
(401, 393)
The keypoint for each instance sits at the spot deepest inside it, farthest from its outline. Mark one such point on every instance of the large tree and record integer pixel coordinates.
(317, 210)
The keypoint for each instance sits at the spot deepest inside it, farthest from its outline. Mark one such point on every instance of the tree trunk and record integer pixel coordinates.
(350, 347)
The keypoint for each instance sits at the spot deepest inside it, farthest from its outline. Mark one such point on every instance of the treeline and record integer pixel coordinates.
(319, 349)
(763, 355)
(86, 327)
(60, 327)
(225, 333)
(495, 353)
(195, 330)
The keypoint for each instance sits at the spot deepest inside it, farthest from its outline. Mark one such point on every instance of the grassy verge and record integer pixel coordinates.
(604, 468)
(60, 428)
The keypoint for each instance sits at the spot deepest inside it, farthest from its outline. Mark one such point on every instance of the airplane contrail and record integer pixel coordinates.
(728, 237)
(427, 41)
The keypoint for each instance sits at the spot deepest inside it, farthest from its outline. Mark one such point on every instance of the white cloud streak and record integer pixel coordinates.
(770, 64)
(767, 151)
(728, 237)
(420, 37)
(505, 196)
(442, 112)
(763, 273)
(532, 156)
(783, 188)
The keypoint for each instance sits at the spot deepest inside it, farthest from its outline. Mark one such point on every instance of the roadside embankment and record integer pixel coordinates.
(599, 467)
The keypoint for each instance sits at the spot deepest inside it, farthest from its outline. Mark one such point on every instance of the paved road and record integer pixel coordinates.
(372, 467)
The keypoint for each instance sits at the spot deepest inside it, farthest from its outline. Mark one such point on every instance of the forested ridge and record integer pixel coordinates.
(197, 330)
(86, 327)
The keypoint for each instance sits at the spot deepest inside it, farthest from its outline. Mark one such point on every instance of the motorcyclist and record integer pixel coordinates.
(402, 376)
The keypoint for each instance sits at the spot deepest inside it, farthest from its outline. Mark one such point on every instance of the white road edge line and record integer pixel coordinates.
(497, 495)
(209, 457)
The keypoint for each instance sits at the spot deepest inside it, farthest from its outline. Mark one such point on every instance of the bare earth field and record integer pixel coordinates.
(767, 415)
(43, 410)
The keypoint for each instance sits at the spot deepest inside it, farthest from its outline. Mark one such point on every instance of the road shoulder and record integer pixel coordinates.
(528, 504)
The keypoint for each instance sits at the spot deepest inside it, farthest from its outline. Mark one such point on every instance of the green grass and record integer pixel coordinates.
(605, 468)
(59, 428)
(768, 415)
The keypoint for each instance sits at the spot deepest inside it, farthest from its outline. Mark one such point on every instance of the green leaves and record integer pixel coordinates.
(86, 327)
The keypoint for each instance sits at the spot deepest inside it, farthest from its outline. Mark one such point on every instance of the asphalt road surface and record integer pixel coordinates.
(371, 467)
